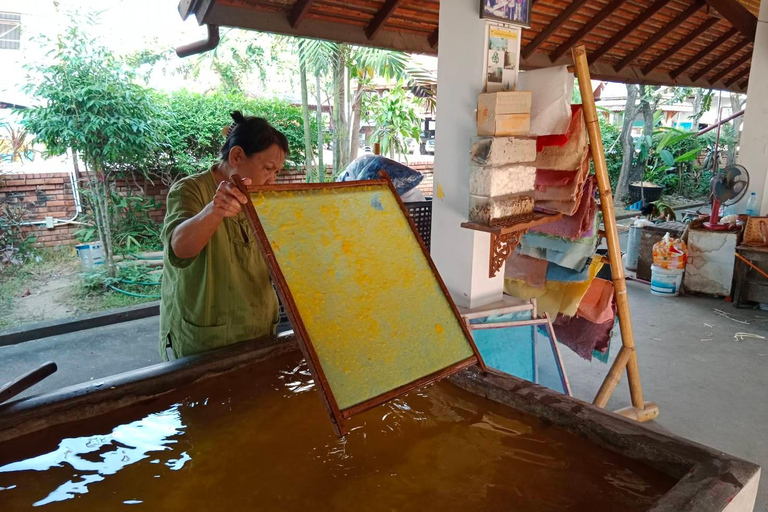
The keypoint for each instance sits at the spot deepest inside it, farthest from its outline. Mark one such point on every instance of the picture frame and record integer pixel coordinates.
(512, 12)
(501, 62)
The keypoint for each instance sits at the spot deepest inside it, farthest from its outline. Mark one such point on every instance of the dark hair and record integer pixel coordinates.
(253, 134)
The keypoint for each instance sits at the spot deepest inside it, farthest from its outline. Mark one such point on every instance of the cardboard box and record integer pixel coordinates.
(505, 102)
(504, 125)
(504, 113)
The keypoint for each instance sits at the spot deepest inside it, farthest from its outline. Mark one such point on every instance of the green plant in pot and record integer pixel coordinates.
(656, 158)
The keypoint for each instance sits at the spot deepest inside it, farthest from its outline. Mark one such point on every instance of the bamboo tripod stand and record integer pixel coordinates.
(627, 357)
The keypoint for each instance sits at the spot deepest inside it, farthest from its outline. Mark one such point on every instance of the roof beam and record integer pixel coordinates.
(381, 17)
(719, 60)
(703, 53)
(243, 15)
(586, 29)
(680, 45)
(737, 15)
(603, 70)
(624, 32)
(738, 77)
(690, 11)
(434, 37)
(733, 67)
(299, 11)
(552, 27)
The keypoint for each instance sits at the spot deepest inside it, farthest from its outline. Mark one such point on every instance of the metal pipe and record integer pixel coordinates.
(714, 215)
(716, 125)
(200, 46)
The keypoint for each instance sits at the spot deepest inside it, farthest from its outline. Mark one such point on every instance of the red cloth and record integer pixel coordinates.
(583, 336)
(555, 140)
(577, 225)
(591, 328)
(597, 304)
(546, 178)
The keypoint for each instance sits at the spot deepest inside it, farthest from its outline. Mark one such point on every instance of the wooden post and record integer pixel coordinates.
(627, 357)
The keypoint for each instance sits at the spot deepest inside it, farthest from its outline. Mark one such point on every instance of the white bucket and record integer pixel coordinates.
(664, 282)
(90, 254)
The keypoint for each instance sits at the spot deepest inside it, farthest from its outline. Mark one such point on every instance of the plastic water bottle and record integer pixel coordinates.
(752, 210)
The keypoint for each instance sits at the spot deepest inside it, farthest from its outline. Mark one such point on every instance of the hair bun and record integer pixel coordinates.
(237, 117)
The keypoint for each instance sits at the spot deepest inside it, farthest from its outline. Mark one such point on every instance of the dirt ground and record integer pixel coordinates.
(51, 288)
(39, 291)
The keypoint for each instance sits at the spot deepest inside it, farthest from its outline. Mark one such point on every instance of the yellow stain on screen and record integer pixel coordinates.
(372, 307)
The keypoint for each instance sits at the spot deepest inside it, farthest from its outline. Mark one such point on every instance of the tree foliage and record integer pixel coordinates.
(396, 120)
(194, 122)
(90, 104)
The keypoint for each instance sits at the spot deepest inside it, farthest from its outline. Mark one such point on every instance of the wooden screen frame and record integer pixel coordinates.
(535, 322)
(336, 414)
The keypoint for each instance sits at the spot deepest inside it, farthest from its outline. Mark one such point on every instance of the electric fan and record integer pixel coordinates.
(728, 187)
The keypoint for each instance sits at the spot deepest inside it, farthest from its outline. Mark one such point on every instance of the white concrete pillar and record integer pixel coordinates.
(753, 151)
(462, 256)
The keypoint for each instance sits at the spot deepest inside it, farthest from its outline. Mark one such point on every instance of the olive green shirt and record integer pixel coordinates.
(224, 294)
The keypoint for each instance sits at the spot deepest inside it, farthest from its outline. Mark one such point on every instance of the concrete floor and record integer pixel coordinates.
(713, 392)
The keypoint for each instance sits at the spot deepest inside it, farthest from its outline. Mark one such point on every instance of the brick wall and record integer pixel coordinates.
(153, 188)
(50, 195)
(42, 195)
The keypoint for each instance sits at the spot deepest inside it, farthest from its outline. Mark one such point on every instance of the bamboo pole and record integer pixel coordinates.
(612, 238)
(613, 377)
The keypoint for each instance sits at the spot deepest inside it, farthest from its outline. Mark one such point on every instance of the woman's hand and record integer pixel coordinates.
(229, 201)
(191, 236)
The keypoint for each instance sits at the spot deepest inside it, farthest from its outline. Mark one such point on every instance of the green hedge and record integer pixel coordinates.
(192, 131)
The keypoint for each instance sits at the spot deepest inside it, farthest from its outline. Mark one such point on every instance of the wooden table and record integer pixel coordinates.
(749, 285)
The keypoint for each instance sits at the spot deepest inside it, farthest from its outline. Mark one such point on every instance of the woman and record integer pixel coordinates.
(216, 288)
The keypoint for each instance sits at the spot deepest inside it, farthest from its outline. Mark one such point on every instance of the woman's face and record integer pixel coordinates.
(261, 167)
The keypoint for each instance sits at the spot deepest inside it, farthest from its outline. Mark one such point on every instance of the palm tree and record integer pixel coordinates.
(305, 115)
(345, 62)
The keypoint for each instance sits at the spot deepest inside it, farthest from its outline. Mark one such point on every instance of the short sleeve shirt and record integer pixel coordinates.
(223, 295)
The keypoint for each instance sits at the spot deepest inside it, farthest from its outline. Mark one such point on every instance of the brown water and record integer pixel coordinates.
(259, 440)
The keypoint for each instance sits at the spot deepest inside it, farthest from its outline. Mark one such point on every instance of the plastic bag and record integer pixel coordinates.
(670, 253)
(367, 168)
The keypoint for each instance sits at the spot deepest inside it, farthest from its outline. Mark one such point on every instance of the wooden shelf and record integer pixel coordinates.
(538, 219)
(504, 238)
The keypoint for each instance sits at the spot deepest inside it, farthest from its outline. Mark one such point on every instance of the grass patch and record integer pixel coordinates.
(89, 301)
(93, 294)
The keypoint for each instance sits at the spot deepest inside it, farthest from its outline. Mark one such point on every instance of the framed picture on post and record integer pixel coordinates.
(501, 63)
(514, 12)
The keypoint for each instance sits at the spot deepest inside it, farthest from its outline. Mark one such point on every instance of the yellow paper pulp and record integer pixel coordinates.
(371, 305)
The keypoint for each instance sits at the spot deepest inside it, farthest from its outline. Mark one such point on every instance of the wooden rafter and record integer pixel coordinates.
(434, 37)
(586, 29)
(728, 53)
(381, 17)
(690, 11)
(742, 74)
(738, 16)
(703, 53)
(743, 85)
(552, 27)
(733, 67)
(626, 31)
(299, 11)
(680, 45)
